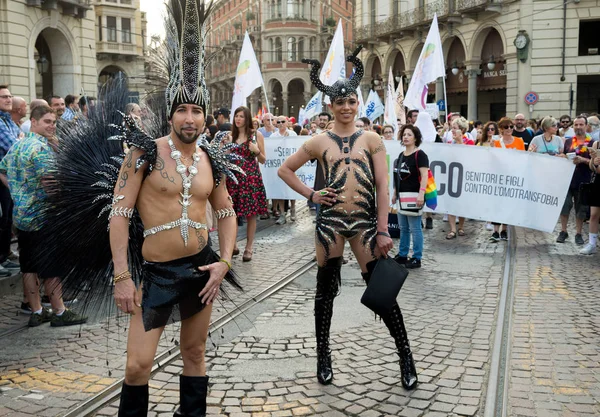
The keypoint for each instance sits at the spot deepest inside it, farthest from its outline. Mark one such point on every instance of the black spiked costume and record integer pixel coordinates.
(82, 200)
(360, 222)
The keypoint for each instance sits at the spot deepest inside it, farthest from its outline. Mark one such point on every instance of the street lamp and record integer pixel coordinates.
(491, 65)
(397, 78)
(455, 68)
(42, 64)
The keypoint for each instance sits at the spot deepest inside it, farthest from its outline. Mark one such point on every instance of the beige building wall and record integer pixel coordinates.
(70, 39)
(470, 21)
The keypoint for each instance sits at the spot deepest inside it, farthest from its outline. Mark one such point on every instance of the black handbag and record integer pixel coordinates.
(386, 281)
(588, 193)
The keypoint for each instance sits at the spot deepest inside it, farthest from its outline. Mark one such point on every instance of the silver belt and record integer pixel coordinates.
(172, 225)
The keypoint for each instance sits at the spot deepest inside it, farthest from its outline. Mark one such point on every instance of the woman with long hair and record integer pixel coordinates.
(249, 197)
(487, 137)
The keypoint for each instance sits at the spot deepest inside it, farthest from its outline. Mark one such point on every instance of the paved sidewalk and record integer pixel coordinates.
(45, 371)
(555, 361)
(449, 307)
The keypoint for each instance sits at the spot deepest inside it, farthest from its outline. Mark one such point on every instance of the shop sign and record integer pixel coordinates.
(499, 73)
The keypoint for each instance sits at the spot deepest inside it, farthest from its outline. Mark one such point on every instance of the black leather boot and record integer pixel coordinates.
(192, 396)
(134, 401)
(328, 284)
(395, 324)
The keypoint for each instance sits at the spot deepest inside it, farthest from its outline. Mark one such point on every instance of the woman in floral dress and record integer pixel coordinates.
(249, 197)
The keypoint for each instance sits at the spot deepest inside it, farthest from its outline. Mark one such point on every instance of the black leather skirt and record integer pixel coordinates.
(172, 284)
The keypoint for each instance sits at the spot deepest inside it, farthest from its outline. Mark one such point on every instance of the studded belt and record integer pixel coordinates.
(181, 223)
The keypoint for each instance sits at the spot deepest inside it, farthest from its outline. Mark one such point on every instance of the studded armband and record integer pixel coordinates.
(225, 212)
(120, 212)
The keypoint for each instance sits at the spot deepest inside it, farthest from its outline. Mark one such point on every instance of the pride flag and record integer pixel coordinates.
(431, 192)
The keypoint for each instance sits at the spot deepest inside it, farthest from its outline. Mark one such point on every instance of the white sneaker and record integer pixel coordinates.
(281, 220)
(489, 227)
(588, 249)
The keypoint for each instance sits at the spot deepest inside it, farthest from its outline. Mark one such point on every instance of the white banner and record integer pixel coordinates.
(501, 185)
(490, 184)
(277, 151)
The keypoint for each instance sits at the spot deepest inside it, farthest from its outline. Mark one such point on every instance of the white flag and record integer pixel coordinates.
(400, 112)
(302, 116)
(361, 103)
(374, 106)
(248, 76)
(334, 67)
(390, 117)
(429, 67)
(314, 106)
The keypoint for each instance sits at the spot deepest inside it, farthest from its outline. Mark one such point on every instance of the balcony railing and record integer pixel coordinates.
(115, 48)
(76, 8)
(406, 20)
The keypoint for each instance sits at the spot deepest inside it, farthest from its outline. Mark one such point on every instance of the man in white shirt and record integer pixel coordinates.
(282, 129)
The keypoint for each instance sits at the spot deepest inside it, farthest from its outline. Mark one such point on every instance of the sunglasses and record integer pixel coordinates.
(565, 121)
(279, 122)
(491, 129)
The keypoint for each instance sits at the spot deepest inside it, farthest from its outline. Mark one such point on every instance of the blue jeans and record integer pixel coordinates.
(410, 225)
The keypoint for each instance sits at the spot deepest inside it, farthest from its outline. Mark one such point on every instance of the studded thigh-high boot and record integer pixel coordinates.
(328, 284)
(395, 324)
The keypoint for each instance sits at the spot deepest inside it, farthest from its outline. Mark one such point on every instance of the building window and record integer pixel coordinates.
(100, 28)
(111, 28)
(278, 7)
(291, 49)
(272, 49)
(292, 8)
(125, 30)
(278, 50)
(589, 42)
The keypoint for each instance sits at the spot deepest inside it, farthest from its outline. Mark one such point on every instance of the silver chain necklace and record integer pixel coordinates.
(184, 221)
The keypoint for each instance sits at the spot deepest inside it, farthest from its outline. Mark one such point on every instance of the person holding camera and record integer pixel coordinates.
(549, 142)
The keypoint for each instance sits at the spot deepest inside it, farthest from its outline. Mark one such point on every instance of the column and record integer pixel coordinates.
(472, 74)
(285, 110)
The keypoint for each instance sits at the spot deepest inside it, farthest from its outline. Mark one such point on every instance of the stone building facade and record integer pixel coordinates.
(54, 46)
(497, 53)
(283, 32)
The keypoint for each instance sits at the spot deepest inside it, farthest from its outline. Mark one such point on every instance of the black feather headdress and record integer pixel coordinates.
(341, 88)
(186, 29)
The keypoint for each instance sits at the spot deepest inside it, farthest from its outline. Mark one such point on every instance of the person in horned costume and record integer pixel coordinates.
(354, 165)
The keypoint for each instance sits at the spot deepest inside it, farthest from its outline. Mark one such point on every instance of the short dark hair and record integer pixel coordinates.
(83, 101)
(416, 131)
(581, 116)
(365, 120)
(51, 97)
(69, 99)
(565, 116)
(324, 113)
(297, 128)
(210, 119)
(3, 86)
(40, 111)
(410, 112)
(477, 123)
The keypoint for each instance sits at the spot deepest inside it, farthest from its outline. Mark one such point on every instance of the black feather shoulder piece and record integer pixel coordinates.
(222, 160)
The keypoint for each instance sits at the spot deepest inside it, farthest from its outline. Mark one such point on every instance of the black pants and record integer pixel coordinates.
(5, 222)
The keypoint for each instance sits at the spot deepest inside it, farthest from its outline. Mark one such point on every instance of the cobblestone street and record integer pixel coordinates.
(263, 364)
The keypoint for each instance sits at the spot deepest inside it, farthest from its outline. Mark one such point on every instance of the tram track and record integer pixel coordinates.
(498, 380)
(167, 357)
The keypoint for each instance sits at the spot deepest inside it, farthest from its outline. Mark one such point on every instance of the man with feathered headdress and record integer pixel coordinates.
(354, 164)
(170, 195)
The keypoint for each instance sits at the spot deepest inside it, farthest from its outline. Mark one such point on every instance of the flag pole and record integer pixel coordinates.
(266, 98)
(445, 100)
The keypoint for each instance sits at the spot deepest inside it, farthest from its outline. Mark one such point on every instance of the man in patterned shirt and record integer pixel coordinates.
(9, 134)
(24, 170)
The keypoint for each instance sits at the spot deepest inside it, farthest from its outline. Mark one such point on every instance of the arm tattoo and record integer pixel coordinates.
(379, 148)
(307, 151)
(160, 167)
(124, 174)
